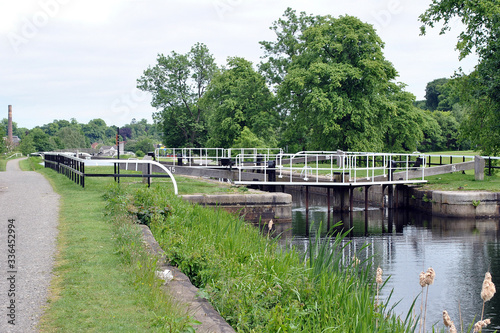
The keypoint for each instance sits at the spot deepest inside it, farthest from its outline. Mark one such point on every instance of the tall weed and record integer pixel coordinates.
(258, 286)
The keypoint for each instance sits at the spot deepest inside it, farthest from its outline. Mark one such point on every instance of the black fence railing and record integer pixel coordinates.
(74, 169)
(491, 162)
(71, 167)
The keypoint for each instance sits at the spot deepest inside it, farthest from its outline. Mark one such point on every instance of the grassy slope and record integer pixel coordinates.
(102, 280)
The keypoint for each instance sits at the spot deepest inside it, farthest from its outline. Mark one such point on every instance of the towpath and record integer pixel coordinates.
(28, 229)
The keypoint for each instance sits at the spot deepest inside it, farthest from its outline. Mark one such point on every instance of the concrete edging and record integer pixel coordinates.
(472, 204)
(183, 291)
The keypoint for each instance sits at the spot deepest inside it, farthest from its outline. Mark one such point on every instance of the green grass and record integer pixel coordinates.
(185, 184)
(255, 284)
(3, 164)
(462, 182)
(103, 278)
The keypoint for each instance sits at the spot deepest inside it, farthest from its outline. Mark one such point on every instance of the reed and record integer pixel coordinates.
(257, 284)
(487, 291)
(425, 279)
(448, 322)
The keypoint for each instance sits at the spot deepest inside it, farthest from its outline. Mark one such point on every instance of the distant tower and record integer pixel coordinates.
(9, 129)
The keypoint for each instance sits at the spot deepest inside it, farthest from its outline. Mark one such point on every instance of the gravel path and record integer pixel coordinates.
(29, 209)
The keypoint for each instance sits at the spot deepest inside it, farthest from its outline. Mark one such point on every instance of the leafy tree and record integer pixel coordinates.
(27, 146)
(126, 132)
(449, 130)
(95, 130)
(337, 90)
(431, 131)
(403, 132)
(481, 89)
(21, 132)
(71, 137)
(433, 93)
(53, 127)
(177, 83)
(3, 146)
(421, 104)
(110, 135)
(41, 140)
(247, 139)
(237, 97)
(5, 125)
(288, 44)
(144, 144)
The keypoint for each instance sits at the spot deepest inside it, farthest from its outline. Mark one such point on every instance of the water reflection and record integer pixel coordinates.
(404, 243)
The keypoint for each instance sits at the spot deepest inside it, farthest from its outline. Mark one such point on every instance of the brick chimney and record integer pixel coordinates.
(9, 129)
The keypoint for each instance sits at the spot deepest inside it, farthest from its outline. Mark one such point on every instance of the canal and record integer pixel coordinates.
(404, 243)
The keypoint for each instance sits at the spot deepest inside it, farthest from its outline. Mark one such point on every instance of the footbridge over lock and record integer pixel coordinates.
(272, 169)
(308, 168)
(336, 171)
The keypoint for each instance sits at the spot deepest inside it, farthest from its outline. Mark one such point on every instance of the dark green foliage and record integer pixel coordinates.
(436, 95)
(479, 91)
(237, 97)
(335, 88)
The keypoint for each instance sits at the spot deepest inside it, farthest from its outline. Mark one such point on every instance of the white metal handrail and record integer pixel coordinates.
(322, 167)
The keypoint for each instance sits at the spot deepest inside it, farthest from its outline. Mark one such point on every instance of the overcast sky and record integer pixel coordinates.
(63, 59)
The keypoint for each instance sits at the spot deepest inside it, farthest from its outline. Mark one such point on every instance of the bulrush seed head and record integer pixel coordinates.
(429, 276)
(379, 276)
(446, 319)
(448, 322)
(488, 288)
(422, 279)
(481, 324)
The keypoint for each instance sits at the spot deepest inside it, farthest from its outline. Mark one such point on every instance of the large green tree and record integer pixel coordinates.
(481, 89)
(438, 95)
(95, 130)
(177, 82)
(71, 137)
(336, 89)
(237, 97)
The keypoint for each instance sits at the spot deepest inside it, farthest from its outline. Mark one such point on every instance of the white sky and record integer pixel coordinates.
(63, 59)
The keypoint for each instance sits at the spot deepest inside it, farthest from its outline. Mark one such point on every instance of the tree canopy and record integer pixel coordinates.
(480, 90)
(177, 82)
(335, 86)
(237, 97)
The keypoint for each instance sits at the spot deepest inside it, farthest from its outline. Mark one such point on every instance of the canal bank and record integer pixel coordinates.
(459, 203)
(255, 207)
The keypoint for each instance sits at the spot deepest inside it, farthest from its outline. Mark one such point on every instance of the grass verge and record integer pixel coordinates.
(103, 279)
(254, 283)
(458, 181)
(3, 164)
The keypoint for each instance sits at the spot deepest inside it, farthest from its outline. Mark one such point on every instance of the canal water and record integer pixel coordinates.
(404, 243)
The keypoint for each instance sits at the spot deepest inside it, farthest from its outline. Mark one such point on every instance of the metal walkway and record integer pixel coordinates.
(308, 168)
